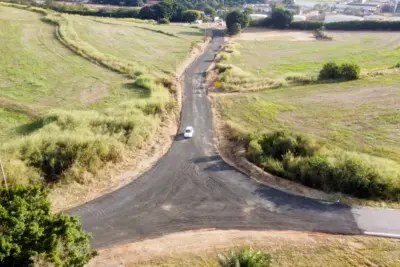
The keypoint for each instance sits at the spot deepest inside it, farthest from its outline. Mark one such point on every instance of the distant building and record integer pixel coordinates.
(299, 18)
(366, 7)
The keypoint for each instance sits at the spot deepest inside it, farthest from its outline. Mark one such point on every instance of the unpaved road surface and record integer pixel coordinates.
(191, 188)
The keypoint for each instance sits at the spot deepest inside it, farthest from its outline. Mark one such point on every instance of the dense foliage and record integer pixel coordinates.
(28, 229)
(333, 71)
(281, 18)
(245, 258)
(364, 25)
(236, 16)
(191, 15)
(306, 25)
(300, 159)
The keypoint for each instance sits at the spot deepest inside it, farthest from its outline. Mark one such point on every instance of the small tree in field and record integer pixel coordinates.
(191, 15)
(281, 18)
(236, 16)
(28, 229)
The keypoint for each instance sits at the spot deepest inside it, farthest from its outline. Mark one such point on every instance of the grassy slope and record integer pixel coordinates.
(36, 68)
(80, 116)
(359, 116)
(276, 59)
(344, 251)
(157, 53)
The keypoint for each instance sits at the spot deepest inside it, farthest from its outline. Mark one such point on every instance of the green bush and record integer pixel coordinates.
(397, 65)
(278, 144)
(330, 71)
(163, 21)
(29, 229)
(346, 71)
(236, 16)
(350, 71)
(191, 15)
(364, 25)
(306, 25)
(235, 28)
(245, 258)
(299, 159)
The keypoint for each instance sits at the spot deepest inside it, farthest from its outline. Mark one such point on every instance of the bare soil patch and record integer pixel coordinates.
(94, 94)
(258, 34)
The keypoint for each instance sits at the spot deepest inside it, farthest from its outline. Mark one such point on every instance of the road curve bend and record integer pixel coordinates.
(191, 187)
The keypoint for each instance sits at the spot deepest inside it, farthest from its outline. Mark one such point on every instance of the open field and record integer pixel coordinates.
(353, 122)
(288, 248)
(357, 116)
(37, 69)
(65, 115)
(278, 56)
(157, 53)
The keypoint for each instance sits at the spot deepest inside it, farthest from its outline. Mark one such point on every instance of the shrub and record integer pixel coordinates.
(245, 258)
(278, 144)
(235, 28)
(364, 25)
(281, 18)
(350, 71)
(191, 15)
(299, 159)
(163, 21)
(329, 71)
(306, 25)
(236, 16)
(397, 65)
(28, 228)
(144, 82)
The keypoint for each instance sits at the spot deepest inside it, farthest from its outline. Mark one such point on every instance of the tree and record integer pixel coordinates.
(162, 10)
(177, 12)
(191, 15)
(236, 17)
(28, 229)
(209, 10)
(147, 13)
(281, 18)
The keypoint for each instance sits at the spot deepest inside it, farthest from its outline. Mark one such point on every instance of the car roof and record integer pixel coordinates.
(189, 128)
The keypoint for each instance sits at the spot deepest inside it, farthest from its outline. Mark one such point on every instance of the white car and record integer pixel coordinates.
(188, 132)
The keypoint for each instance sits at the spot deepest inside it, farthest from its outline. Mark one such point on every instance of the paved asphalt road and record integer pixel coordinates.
(191, 187)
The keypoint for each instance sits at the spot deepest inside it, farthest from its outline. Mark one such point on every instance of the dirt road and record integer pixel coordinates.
(191, 187)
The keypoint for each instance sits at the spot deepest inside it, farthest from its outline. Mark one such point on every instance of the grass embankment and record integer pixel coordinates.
(295, 249)
(353, 122)
(85, 116)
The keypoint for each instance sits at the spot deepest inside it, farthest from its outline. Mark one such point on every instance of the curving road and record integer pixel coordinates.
(191, 187)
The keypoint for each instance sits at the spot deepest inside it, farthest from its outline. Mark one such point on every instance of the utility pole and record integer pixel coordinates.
(4, 176)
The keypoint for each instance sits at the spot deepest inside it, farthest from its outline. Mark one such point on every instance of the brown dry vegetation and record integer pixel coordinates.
(288, 248)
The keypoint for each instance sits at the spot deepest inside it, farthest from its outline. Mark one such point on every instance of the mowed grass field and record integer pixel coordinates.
(159, 49)
(276, 57)
(355, 121)
(361, 116)
(68, 109)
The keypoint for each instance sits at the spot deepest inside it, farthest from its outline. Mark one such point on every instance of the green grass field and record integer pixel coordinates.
(359, 119)
(71, 100)
(280, 58)
(158, 53)
(358, 116)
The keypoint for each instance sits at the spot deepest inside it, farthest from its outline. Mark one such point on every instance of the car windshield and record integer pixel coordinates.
(188, 130)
